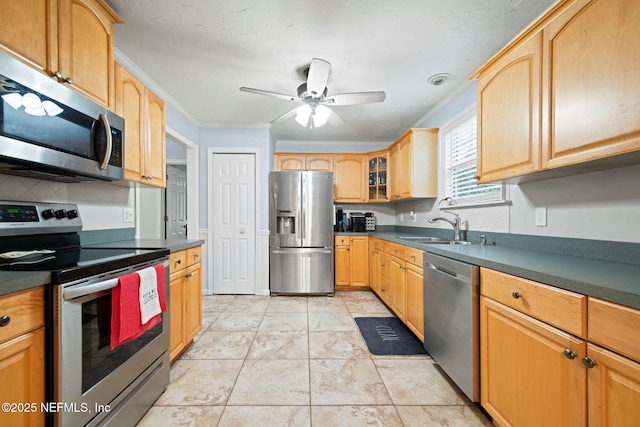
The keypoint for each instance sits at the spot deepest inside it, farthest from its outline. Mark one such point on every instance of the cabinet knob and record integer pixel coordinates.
(68, 80)
(589, 363)
(4, 320)
(516, 294)
(58, 75)
(570, 354)
(178, 261)
(196, 256)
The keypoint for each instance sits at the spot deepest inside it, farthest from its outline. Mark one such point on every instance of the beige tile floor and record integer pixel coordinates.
(301, 361)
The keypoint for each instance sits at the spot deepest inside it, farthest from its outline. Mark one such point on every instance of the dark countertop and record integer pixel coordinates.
(610, 281)
(174, 245)
(15, 281)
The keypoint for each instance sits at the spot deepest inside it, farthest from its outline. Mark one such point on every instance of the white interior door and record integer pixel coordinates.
(176, 203)
(233, 193)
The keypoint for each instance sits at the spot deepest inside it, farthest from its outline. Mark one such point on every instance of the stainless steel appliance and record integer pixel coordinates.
(99, 386)
(451, 320)
(48, 131)
(301, 233)
(358, 222)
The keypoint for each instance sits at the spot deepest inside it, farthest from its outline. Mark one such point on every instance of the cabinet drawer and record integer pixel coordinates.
(395, 249)
(177, 261)
(562, 309)
(193, 255)
(342, 240)
(24, 310)
(614, 326)
(413, 255)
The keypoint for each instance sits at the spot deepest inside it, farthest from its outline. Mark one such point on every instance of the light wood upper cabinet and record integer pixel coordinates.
(349, 177)
(590, 84)
(319, 162)
(413, 164)
(299, 162)
(509, 115)
(289, 162)
(71, 39)
(145, 130)
(563, 95)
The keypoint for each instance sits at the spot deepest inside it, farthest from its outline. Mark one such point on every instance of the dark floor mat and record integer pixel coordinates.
(388, 336)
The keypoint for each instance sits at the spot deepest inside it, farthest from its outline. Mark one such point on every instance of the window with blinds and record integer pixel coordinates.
(460, 153)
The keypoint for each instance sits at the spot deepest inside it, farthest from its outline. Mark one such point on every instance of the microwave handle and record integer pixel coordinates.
(107, 130)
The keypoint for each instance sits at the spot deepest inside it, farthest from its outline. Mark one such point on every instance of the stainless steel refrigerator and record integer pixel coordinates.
(301, 233)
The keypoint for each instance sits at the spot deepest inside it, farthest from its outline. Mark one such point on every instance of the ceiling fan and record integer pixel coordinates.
(313, 94)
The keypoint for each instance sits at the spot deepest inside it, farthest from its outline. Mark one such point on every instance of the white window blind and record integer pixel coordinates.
(460, 154)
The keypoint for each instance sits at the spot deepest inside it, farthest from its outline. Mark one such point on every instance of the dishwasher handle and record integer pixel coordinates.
(440, 269)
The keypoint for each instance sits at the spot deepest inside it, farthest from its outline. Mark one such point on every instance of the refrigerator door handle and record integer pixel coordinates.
(303, 217)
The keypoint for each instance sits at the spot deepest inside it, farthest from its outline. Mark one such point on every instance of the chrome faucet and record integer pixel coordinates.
(455, 224)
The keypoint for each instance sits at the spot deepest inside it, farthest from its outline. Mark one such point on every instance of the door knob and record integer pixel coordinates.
(242, 231)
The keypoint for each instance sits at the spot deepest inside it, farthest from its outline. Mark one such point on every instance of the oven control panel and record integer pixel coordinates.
(18, 218)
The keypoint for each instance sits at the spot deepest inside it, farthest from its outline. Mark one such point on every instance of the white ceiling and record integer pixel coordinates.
(197, 53)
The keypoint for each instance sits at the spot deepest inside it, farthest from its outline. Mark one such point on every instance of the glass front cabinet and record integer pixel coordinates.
(377, 176)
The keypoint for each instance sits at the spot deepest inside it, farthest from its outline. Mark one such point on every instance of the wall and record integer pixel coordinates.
(600, 205)
(100, 204)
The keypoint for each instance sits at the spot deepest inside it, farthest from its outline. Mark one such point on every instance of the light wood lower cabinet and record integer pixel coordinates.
(351, 260)
(396, 276)
(526, 379)
(185, 299)
(414, 310)
(22, 372)
(533, 373)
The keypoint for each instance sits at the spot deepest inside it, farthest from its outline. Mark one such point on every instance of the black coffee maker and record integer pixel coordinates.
(338, 223)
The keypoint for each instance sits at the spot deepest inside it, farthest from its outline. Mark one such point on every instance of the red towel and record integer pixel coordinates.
(125, 308)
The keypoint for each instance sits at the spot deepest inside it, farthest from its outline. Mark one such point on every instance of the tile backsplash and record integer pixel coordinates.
(18, 188)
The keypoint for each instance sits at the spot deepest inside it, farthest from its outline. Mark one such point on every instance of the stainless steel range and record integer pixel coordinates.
(88, 383)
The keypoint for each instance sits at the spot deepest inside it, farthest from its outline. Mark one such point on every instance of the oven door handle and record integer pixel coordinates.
(81, 291)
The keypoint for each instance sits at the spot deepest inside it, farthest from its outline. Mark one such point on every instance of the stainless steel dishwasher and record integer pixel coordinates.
(451, 320)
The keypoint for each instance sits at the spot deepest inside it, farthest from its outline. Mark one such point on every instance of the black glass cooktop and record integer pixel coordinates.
(75, 263)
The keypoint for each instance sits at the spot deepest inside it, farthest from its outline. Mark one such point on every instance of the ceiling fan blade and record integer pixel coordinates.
(335, 119)
(268, 93)
(355, 98)
(287, 115)
(318, 76)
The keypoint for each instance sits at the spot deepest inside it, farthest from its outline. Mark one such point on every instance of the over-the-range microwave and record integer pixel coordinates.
(48, 131)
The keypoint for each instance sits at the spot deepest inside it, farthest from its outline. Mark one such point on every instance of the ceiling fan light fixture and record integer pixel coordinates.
(438, 79)
(320, 116)
(302, 114)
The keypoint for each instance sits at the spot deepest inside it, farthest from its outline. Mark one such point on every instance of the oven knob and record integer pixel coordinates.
(47, 214)
(72, 214)
(61, 213)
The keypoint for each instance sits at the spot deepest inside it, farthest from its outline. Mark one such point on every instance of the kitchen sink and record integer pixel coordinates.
(439, 241)
(426, 239)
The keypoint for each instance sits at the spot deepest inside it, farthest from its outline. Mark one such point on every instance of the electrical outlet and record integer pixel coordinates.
(541, 217)
(128, 215)
(412, 215)
(401, 217)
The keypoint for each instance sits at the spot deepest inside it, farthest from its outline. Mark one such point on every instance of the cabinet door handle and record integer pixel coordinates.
(570, 354)
(4, 320)
(589, 363)
(516, 294)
